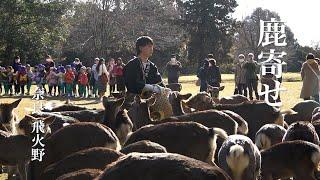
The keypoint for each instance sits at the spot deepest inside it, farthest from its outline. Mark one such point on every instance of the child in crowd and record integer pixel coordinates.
(90, 83)
(69, 80)
(52, 80)
(40, 77)
(82, 82)
(61, 80)
(29, 80)
(74, 84)
(9, 81)
(22, 78)
(112, 80)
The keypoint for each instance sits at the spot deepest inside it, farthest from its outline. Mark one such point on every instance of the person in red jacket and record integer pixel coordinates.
(118, 72)
(69, 78)
(83, 82)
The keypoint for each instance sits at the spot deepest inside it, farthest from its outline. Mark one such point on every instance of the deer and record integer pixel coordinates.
(164, 166)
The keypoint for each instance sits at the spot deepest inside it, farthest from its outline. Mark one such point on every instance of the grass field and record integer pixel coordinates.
(291, 82)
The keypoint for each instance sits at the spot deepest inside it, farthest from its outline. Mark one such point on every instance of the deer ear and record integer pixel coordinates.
(15, 103)
(185, 96)
(49, 120)
(151, 101)
(221, 88)
(29, 118)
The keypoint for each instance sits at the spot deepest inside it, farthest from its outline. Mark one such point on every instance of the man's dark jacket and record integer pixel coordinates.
(134, 76)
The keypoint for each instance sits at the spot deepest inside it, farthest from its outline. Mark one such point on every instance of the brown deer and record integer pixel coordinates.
(73, 138)
(7, 117)
(187, 138)
(92, 158)
(144, 146)
(297, 159)
(269, 135)
(140, 114)
(160, 166)
(240, 158)
(301, 130)
(83, 174)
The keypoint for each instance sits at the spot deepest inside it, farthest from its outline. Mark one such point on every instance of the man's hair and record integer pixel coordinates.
(173, 55)
(17, 57)
(141, 42)
(210, 56)
(310, 56)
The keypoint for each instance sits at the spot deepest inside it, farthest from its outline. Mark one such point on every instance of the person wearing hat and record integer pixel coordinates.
(173, 68)
(251, 69)
(310, 74)
(240, 76)
(140, 74)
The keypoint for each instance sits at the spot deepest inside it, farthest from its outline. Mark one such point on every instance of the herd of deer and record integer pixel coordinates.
(141, 138)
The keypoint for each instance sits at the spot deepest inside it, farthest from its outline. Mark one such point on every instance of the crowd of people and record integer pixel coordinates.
(73, 80)
(140, 74)
(245, 71)
(246, 77)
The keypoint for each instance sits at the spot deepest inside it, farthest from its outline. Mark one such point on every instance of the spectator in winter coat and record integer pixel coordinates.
(310, 73)
(202, 75)
(251, 69)
(173, 68)
(118, 72)
(240, 76)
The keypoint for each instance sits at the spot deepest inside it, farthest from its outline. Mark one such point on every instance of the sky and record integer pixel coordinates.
(298, 15)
